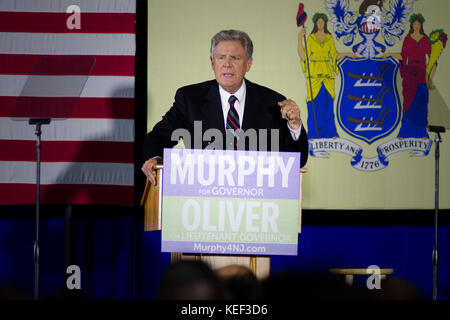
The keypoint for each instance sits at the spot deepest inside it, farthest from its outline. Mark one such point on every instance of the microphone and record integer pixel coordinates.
(437, 129)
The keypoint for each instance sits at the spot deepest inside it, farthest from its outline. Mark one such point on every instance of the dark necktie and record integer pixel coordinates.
(233, 118)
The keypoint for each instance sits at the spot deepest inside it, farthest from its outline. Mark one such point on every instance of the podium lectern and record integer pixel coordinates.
(152, 202)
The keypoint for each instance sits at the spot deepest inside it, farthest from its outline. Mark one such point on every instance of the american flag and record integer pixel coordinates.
(88, 158)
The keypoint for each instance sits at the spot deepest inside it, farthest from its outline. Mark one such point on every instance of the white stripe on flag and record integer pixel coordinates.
(66, 86)
(126, 6)
(114, 130)
(67, 43)
(68, 173)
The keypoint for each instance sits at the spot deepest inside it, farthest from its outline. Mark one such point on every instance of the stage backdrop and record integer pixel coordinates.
(375, 170)
(88, 159)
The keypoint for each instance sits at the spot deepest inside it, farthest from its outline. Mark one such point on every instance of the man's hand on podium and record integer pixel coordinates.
(149, 170)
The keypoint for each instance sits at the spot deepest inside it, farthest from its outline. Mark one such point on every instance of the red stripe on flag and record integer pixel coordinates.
(50, 22)
(68, 151)
(12, 193)
(99, 108)
(22, 64)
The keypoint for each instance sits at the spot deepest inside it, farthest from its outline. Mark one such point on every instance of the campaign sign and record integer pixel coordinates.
(230, 202)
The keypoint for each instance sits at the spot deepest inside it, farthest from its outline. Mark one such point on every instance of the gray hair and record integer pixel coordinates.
(233, 35)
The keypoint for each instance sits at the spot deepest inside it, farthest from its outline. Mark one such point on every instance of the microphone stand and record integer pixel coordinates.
(437, 130)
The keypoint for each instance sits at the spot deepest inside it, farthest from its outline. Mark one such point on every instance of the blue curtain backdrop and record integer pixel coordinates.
(118, 260)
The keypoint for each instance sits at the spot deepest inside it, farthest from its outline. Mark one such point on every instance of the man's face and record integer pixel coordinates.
(230, 65)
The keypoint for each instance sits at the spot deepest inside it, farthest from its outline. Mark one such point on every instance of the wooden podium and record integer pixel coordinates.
(152, 202)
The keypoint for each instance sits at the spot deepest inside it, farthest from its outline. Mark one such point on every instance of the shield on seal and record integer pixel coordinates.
(368, 106)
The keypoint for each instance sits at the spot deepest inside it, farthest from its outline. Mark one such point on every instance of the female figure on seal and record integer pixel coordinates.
(322, 58)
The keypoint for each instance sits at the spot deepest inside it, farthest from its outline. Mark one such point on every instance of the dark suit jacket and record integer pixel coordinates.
(201, 102)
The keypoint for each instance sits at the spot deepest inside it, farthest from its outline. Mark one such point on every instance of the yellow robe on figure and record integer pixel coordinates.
(322, 63)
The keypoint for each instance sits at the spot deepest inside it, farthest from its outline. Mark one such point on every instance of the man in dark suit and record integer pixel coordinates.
(228, 104)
